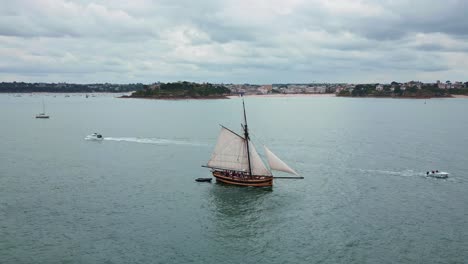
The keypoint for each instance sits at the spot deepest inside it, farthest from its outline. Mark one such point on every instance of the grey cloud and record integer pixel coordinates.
(228, 41)
(65, 19)
(437, 47)
(398, 19)
(226, 33)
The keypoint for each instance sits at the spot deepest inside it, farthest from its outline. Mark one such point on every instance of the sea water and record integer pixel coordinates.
(132, 198)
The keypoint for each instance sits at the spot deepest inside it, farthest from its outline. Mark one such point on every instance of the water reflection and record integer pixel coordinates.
(237, 211)
(234, 200)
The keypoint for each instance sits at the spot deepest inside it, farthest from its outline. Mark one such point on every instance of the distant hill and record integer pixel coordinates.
(181, 90)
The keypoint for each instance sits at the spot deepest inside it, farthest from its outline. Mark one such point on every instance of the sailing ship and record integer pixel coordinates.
(43, 114)
(236, 161)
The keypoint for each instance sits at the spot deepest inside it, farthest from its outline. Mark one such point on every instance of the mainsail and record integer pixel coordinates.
(230, 153)
(277, 164)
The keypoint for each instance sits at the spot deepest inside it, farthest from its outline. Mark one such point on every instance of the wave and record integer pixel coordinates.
(157, 141)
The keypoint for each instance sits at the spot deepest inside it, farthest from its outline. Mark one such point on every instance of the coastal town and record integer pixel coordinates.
(340, 88)
(415, 89)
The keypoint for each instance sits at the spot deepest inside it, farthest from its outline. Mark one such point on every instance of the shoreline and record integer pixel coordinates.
(125, 95)
(230, 96)
(176, 98)
(289, 96)
(283, 95)
(407, 97)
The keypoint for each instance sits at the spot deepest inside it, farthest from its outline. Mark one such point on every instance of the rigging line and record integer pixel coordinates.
(258, 139)
(263, 143)
(260, 154)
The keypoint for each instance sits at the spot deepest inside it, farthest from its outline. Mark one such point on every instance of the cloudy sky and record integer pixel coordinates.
(253, 41)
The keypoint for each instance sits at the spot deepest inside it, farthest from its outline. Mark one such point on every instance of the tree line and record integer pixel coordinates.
(24, 87)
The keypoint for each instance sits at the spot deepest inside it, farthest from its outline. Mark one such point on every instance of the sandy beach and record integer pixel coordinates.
(459, 96)
(284, 95)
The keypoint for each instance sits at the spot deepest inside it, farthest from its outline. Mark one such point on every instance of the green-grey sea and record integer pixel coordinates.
(132, 198)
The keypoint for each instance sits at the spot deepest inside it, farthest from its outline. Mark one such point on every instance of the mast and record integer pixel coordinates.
(43, 106)
(246, 134)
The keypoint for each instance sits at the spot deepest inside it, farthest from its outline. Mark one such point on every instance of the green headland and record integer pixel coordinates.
(182, 90)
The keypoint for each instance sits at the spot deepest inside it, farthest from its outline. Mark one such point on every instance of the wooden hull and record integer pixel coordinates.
(256, 181)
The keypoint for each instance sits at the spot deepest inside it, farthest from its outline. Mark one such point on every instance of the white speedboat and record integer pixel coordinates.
(437, 174)
(95, 136)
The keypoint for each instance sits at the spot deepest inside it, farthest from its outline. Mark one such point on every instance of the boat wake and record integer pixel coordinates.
(157, 141)
(405, 173)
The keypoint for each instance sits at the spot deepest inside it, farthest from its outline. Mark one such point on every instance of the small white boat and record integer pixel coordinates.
(437, 174)
(94, 136)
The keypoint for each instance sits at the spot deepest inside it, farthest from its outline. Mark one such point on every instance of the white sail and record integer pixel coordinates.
(230, 152)
(258, 167)
(277, 164)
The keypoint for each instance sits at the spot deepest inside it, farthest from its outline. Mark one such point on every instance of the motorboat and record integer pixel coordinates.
(203, 179)
(437, 174)
(95, 136)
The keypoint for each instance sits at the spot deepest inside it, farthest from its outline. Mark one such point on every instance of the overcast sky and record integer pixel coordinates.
(238, 41)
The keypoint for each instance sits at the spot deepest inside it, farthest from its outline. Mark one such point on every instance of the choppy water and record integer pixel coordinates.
(131, 198)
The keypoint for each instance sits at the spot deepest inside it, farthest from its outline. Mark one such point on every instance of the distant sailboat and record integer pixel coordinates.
(236, 161)
(43, 114)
